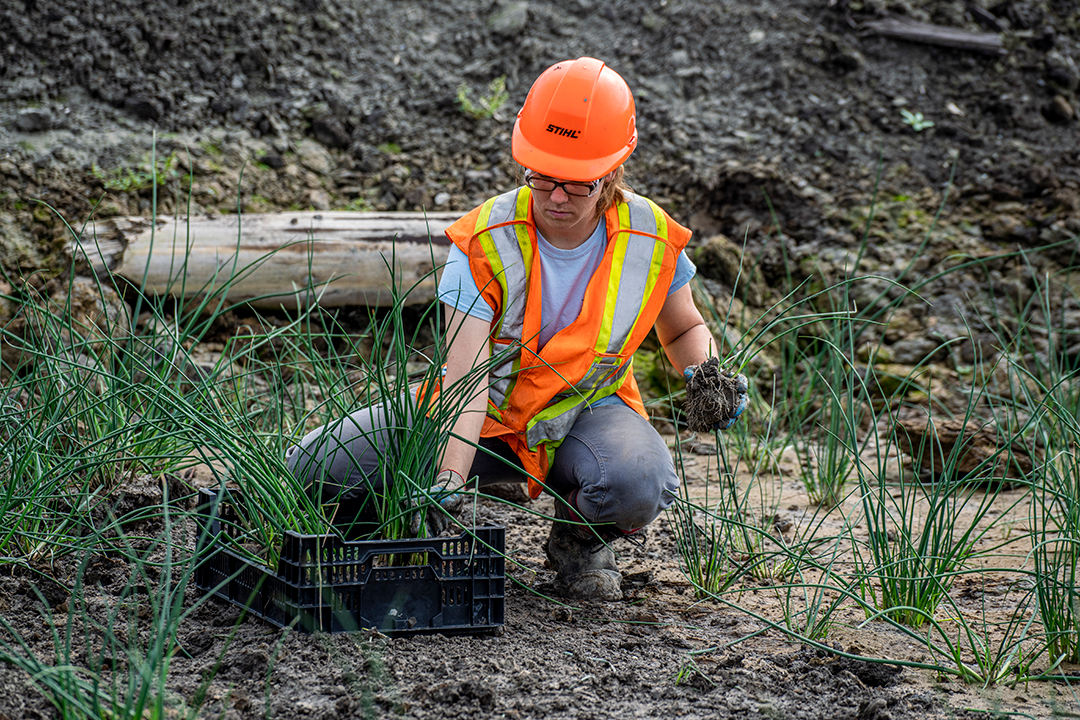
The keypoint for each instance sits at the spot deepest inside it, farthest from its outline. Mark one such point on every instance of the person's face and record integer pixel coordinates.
(564, 211)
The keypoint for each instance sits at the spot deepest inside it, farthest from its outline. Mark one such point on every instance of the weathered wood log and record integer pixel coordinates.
(275, 260)
(928, 34)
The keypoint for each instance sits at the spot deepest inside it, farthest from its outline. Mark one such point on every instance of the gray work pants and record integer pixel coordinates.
(616, 461)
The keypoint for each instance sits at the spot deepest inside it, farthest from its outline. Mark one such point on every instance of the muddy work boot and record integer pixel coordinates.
(584, 569)
(581, 555)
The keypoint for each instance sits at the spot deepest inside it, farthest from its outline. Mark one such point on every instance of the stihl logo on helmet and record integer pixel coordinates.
(564, 132)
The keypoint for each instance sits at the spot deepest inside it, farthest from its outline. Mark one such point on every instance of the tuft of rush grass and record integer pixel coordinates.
(112, 660)
(903, 571)
(387, 374)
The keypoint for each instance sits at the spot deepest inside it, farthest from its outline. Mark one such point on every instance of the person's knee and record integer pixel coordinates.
(623, 470)
(633, 495)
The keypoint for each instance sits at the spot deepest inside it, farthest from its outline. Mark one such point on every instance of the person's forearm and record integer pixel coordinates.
(692, 347)
(461, 446)
(468, 350)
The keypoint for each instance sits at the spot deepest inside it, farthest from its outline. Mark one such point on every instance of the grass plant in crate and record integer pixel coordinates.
(413, 428)
(265, 502)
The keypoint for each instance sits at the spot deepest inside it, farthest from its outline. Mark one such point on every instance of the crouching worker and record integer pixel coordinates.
(568, 273)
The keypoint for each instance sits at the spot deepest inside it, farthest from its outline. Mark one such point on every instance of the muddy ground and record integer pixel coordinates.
(768, 122)
(658, 653)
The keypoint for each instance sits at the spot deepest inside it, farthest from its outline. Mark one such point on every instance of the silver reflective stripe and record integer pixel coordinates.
(603, 371)
(632, 289)
(555, 429)
(499, 379)
(514, 270)
(642, 214)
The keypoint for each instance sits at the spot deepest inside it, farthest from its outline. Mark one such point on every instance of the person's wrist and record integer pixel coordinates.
(448, 476)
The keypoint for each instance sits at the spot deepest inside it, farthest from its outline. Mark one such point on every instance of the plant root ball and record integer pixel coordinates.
(712, 397)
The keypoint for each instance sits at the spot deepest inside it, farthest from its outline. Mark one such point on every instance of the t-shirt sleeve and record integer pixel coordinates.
(685, 269)
(458, 289)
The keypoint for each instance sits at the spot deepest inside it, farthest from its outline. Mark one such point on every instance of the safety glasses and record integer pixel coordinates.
(575, 189)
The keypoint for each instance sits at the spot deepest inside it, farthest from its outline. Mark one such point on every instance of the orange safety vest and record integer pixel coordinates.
(535, 396)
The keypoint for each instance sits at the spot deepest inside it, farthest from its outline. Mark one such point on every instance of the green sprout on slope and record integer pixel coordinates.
(488, 104)
(141, 177)
(916, 120)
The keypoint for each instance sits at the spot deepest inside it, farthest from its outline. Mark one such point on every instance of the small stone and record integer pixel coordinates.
(314, 157)
(274, 161)
(442, 199)
(330, 132)
(1005, 228)
(1059, 110)
(318, 199)
(651, 21)
(509, 19)
(144, 108)
(33, 120)
(1061, 70)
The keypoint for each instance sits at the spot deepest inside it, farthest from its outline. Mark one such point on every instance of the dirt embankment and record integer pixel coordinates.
(333, 104)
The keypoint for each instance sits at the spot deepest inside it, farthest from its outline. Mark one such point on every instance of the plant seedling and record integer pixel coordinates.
(916, 120)
(488, 104)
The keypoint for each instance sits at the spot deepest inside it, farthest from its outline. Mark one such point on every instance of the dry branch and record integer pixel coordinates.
(928, 34)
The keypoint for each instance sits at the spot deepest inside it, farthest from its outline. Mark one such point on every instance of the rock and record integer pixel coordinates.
(17, 245)
(314, 157)
(442, 199)
(948, 448)
(318, 199)
(509, 19)
(33, 120)
(512, 492)
(652, 21)
(143, 107)
(914, 350)
(1005, 228)
(274, 161)
(330, 132)
(720, 259)
(1061, 70)
(133, 499)
(1059, 110)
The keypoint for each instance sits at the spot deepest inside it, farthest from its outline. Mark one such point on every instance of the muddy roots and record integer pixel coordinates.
(712, 397)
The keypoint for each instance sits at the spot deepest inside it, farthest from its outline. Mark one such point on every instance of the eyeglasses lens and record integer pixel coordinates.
(570, 188)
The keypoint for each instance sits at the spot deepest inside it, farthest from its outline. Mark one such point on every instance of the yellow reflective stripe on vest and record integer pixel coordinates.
(554, 422)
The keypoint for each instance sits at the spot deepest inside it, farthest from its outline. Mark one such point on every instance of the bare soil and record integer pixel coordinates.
(769, 121)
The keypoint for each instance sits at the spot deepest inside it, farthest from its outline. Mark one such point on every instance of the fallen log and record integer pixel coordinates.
(274, 260)
(928, 34)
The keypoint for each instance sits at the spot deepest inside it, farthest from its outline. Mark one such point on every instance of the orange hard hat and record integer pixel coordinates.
(577, 122)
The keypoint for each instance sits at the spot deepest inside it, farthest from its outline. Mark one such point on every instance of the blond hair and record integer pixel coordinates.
(613, 192)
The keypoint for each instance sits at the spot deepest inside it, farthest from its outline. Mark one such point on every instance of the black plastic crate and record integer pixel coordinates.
(328, 584)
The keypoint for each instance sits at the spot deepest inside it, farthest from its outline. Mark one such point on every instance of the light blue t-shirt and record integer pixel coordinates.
(564, 274)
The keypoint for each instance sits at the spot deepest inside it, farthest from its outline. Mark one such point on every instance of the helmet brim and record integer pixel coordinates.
(557, 166)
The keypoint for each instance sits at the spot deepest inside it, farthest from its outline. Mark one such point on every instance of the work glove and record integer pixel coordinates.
(446, 503)
(715, 398)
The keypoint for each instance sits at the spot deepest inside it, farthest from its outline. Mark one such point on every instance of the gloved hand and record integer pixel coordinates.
(445, 503)
(715, 398)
